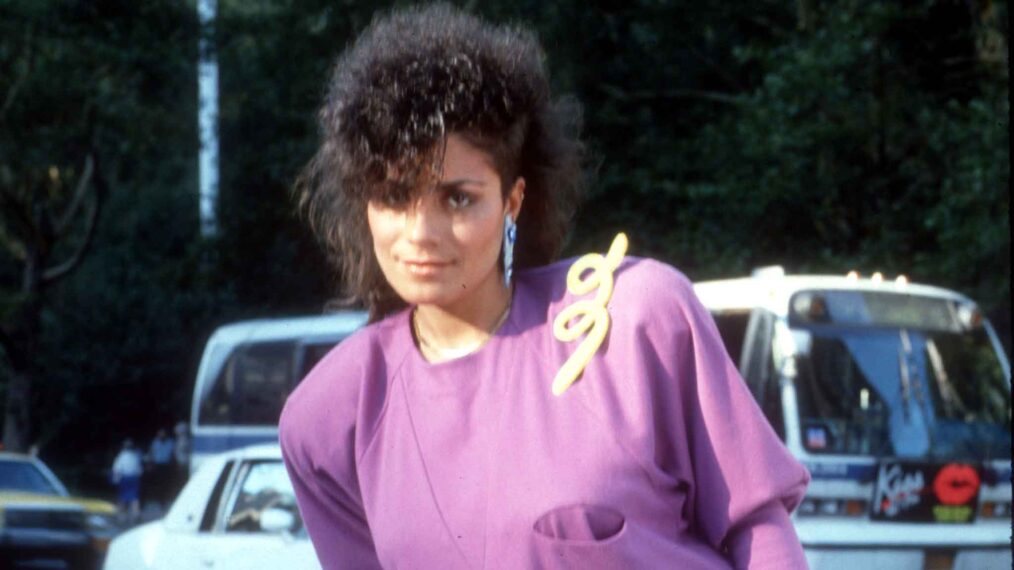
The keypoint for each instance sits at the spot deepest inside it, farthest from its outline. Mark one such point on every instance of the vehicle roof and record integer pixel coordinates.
(259, 451)
(15, 456)
(342, 322)
(773, 292)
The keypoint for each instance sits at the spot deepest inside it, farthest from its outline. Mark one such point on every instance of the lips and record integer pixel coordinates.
(425, 267)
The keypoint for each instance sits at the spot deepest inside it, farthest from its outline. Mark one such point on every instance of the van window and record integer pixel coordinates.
(252, 386)
(312, 353)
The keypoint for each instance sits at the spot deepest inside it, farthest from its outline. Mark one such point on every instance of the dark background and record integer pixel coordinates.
(823, 136)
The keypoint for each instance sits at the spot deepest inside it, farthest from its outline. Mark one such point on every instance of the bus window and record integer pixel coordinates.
(909, 393)
(754, 358)
(840, 410)
(732, 328)
(758, 367)
(252, 386)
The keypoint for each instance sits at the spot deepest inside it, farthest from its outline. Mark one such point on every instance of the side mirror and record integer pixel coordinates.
(277, 520)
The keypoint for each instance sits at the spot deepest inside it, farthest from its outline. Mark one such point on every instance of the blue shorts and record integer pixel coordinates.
(129, 488)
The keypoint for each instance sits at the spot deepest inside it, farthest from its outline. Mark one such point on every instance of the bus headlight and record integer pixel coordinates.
(995, 510)
(827, 507)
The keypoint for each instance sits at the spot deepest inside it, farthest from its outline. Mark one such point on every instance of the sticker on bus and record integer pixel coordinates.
(926, 492)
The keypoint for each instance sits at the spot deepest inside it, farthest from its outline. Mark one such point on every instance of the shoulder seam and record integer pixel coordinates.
(391, 380)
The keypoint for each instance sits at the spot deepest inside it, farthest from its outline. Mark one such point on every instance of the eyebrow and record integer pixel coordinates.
(451, 184)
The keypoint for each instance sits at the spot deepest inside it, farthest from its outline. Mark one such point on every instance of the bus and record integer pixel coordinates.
(247, 371)
(896, 397)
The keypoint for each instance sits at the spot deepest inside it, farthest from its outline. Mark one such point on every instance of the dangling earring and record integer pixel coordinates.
(510, 235)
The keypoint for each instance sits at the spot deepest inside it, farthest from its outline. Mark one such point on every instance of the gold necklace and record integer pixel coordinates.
(442, 354)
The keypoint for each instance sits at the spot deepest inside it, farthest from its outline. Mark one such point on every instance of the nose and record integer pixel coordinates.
(424, 220)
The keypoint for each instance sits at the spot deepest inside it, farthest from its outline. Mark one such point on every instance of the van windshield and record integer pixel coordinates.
(253, 383)
(901, 392)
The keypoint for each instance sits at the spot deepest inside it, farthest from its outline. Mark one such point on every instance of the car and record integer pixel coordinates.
(42, 525)
(238, 510)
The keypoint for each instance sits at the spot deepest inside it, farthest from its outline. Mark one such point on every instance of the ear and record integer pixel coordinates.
(515, 197)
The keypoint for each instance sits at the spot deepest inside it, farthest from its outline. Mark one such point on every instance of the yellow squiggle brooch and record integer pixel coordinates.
(591, 314)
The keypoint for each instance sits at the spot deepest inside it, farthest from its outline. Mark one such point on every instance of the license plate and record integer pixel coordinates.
(907, 491)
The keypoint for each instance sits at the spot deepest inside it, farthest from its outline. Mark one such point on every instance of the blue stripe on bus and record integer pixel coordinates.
(853, 471)
(867, 472)
(216, 443)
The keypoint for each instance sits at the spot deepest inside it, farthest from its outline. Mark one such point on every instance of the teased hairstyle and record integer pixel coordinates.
(412, 77)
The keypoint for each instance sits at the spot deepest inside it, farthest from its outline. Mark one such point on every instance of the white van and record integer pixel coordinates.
(896, 397)
(248, 370)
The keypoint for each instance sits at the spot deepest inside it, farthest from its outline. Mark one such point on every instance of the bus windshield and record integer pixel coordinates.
(902, 392)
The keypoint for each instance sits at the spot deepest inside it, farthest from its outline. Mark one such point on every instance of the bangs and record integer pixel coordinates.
(398, 181)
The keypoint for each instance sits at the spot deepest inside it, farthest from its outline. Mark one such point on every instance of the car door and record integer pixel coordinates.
(239, 540)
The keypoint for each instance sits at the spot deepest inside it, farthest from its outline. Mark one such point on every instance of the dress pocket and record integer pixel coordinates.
(581, 536)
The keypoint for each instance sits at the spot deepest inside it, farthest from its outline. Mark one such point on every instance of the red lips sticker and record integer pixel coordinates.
(956, 484)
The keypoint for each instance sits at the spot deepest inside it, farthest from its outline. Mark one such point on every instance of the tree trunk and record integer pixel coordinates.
(25, 338)
(804, 15)
(16, 418)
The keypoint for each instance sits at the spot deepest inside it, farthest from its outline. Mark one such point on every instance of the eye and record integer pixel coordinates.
(458, 199)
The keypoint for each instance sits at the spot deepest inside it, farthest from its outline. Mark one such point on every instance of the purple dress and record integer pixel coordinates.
(657, 457)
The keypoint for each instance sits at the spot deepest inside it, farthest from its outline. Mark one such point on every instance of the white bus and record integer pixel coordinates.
(248, 370)
(896, 397)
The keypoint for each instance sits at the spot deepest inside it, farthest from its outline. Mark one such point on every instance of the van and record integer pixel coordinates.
(896, 397)
(248, 370)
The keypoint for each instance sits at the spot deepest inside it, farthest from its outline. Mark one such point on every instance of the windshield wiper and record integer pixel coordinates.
(906, 382)
(947, 392)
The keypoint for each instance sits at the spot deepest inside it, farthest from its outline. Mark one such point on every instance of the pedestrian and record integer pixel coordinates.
(462, 428)
(181, 456)
(126, 475)
(160, 460)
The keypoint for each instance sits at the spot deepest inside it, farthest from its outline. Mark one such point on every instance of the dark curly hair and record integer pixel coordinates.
(412, 77)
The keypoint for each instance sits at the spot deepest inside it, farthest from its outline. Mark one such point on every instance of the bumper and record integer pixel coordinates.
(49, 557)
(908, 559)
(41, 548)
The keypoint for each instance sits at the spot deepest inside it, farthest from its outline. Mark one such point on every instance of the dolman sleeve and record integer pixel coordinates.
(317, 432)
(743, 482)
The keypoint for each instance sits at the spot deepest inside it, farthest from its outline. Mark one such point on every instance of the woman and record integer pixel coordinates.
(448, 433)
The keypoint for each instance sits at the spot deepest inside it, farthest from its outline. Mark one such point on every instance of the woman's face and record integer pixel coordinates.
(445, 245)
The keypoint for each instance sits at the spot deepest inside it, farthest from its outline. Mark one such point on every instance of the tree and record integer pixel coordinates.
(50, 209)
(70, 89)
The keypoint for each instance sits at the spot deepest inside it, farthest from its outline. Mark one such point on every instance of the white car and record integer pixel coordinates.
(237, 511)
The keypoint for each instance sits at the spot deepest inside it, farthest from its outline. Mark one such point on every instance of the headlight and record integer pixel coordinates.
(101, 523)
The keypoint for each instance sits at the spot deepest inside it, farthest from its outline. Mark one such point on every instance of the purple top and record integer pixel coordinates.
(657, 457)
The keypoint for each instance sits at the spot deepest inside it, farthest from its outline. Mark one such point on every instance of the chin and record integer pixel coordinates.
(429, 294)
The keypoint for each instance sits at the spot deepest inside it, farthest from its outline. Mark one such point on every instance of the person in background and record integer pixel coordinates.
(181, 456)
(126, 475)
(160, 460)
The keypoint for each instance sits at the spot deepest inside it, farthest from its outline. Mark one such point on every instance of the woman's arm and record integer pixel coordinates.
(747, 482)
(743, 482)
(323, 474)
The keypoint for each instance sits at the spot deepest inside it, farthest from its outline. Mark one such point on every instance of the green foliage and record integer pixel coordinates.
(874, 139)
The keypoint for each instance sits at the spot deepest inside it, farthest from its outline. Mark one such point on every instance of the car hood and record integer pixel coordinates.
(91, 506)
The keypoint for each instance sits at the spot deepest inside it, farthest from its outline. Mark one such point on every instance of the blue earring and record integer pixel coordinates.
(510, 236)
